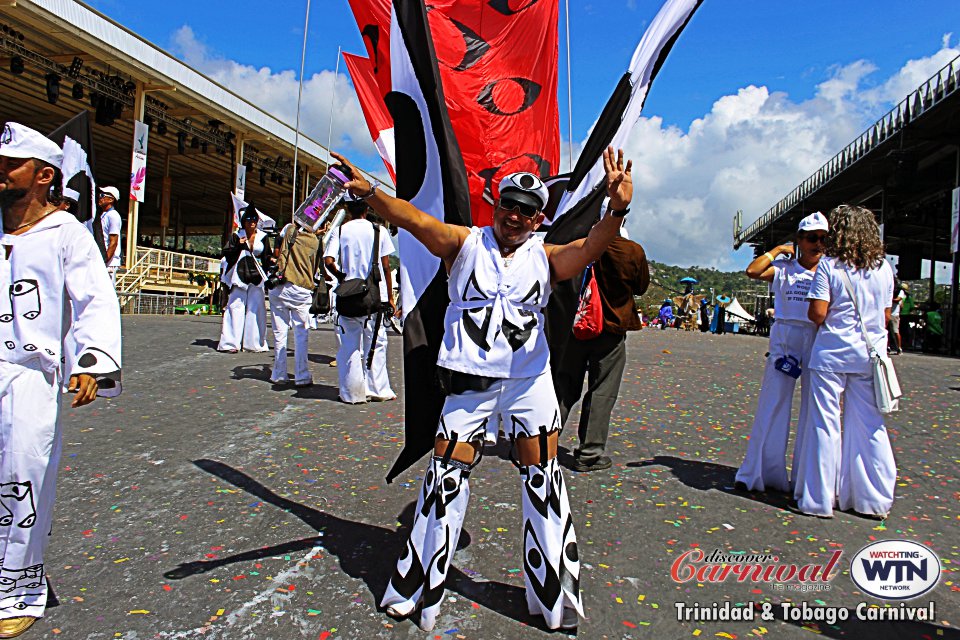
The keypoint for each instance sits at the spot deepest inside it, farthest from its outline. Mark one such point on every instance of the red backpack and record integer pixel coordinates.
(588, 323)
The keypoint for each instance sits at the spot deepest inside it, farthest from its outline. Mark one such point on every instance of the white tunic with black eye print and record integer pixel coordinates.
(494, 324)
(52, 280)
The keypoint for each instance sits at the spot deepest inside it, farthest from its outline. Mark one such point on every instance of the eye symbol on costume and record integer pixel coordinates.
(25, 298)
(509, 96)
(16, 504)
(476, 332)
(9, 344)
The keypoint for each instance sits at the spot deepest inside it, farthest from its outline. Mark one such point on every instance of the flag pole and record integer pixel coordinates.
(333, 95)
(569, 94)
(296, 137)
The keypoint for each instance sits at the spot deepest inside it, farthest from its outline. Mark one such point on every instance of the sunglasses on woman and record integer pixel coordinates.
(525, 210)
(814, 238)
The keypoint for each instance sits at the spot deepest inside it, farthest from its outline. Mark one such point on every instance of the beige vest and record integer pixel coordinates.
(304, 257)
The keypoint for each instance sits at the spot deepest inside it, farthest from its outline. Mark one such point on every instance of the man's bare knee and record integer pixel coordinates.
(465, 452)
(528, 448)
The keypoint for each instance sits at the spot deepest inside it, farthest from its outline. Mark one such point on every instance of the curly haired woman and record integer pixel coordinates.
(853, 465)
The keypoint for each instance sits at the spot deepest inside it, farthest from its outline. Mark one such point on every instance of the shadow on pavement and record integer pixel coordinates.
(705, 476)
(878, 630)
(365, 552)
(205, 342)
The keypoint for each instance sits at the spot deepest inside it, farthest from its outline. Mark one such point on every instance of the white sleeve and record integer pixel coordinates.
(96, 327)
(386, 243)
(332, 248)
(820, 288)
(113, 225)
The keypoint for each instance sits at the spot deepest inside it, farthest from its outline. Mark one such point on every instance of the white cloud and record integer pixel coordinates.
(276, 93)
(749, 151)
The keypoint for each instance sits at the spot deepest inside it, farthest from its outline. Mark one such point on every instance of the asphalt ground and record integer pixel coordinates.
(205, 502)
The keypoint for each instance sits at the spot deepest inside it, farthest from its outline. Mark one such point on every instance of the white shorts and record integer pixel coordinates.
(523, 406)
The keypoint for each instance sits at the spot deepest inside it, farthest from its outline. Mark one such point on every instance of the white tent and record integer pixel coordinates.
(734, 309)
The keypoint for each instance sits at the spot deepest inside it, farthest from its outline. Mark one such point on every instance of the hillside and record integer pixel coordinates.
(665, 283)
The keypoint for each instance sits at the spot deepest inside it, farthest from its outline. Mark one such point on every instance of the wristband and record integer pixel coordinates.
(769, 255)
(373, 190)
(618, 214)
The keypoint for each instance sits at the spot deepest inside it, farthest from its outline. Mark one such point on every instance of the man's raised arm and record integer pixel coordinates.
(441, 239)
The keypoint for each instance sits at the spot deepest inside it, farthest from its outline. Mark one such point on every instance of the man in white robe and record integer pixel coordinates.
(52, 281)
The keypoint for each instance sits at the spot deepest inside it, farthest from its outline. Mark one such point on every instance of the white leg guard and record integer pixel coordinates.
(422, 568)
(551, 561)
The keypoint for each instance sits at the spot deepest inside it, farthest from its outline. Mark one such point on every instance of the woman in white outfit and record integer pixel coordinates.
(245, 317)
(791, 338)
(852, 465)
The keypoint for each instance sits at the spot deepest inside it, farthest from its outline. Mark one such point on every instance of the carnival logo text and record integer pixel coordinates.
(718, 566)
(895, 569)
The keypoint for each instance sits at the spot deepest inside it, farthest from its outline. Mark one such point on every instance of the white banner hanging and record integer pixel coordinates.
(241, 187)
(138, 166)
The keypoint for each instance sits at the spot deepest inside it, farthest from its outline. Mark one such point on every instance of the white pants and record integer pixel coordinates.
(356, 380)
(764, 466)
(30, 446)
(290, 307)
(856, 466)
(112, 272)
(244, 320)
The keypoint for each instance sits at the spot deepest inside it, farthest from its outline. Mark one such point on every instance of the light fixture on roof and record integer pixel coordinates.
(263, 176)
(195, 143)
(53, 88)
(75, 67)
(162, 128)
(203, 146)
(181, 143)
(16, 65)
(77, 92)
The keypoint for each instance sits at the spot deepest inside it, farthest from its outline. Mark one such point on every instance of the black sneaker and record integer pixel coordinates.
(601, 463)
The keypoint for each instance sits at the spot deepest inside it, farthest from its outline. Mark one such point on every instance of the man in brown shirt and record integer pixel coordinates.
(621, 273)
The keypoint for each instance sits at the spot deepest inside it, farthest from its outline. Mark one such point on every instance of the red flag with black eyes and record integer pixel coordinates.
(498, 66)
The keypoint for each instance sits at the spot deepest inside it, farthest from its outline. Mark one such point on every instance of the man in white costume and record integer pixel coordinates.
(791, 337)
(360, 381)
(111, 223)
(496, 368)
(53, 281)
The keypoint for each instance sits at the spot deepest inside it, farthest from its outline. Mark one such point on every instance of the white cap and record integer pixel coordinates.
(816, 221)
(113, 192)
(18, 141)
(71, 193)
(525, 187)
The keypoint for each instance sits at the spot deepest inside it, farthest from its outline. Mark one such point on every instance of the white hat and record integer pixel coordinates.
(71, 193)
(816, 221)
(18, 141)
(526, 188)
(113, 192)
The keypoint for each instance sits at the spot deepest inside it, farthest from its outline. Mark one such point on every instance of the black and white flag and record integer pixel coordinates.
(75, 139)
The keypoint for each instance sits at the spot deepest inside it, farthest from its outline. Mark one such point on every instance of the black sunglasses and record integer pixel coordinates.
(525, 210)
(816, 237)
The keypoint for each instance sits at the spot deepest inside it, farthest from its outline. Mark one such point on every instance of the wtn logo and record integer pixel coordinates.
(903, 570)
(895, 569)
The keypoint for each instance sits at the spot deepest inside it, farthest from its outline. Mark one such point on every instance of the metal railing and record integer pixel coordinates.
(157, 303)
(922, 99)
(159, 266)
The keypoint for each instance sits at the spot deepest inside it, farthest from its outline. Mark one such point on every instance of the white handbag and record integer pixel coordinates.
(886, 386)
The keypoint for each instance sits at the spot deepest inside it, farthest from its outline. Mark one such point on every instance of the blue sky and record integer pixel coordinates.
(796, 81)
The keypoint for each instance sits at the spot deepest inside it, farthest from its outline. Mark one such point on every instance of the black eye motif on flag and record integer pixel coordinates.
(408, 125)
(499, 90)
(511, 7)
(541, 167)
(372, 32)
(476, 332)
(474, 47)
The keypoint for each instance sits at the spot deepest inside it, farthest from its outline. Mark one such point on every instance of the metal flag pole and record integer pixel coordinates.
(296, 136)
(333, 95)
(569, 93)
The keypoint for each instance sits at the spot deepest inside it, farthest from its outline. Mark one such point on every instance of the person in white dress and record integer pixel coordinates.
(55, 284)
(791, 338)
(495, 364)
(248, 256)
(846, 458)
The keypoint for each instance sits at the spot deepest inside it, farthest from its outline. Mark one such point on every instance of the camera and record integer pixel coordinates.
(274, 279)
(788, 365)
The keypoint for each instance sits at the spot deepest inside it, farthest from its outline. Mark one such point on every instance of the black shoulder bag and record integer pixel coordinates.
(360, 297)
